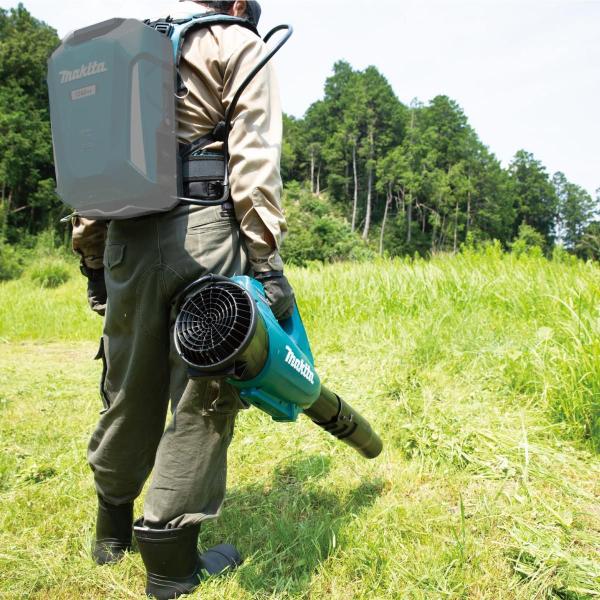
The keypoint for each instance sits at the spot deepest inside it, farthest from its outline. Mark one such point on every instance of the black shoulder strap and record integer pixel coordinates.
(221, 131)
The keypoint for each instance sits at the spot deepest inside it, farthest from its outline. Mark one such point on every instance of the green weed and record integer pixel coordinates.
(11, 263)
(49, 272)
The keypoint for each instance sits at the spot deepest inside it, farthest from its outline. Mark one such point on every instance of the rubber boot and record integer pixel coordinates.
(113, 532)
(173, 566)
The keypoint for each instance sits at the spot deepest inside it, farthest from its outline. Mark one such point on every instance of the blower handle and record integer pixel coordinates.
(294, 327)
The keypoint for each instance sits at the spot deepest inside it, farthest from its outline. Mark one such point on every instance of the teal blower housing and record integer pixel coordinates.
(225, 328)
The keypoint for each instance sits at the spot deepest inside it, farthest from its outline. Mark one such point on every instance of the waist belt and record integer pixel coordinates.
(203, 176)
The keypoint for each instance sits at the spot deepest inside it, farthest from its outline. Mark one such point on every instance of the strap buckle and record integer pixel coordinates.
(164, 27)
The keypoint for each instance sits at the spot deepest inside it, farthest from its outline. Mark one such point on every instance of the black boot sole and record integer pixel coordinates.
(109, 552)
(168, 588)
(219, 560)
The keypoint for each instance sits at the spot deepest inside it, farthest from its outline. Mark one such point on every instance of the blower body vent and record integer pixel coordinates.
(216, 322)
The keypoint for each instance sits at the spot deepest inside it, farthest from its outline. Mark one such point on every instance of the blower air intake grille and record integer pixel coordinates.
(215, 323)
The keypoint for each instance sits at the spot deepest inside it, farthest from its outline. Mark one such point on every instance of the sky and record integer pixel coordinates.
(526, 72)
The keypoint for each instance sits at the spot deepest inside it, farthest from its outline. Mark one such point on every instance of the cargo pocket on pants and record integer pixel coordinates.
(113, 255)
(101, 355)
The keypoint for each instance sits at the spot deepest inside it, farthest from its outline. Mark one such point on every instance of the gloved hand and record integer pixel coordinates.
(96, 288)
(279, 293)
(89, 239)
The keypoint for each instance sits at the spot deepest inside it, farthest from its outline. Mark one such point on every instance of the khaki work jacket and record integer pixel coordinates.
(215, 61)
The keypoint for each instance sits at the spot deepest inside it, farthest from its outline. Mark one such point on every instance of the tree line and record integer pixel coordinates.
(408, 179)
(28, 203)
(418, 179)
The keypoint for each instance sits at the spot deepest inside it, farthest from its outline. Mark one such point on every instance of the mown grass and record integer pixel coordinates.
(481, 373)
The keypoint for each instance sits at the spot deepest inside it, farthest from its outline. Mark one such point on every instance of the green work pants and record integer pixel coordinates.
(148, 261)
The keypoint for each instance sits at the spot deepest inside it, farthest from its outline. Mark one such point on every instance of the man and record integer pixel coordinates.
(147, 261)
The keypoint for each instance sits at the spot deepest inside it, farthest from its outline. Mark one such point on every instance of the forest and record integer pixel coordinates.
(365, 174)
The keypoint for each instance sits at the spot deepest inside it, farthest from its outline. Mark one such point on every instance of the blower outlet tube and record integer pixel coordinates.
(336, 416)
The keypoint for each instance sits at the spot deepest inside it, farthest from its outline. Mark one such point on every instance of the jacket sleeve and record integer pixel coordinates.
(255, 153)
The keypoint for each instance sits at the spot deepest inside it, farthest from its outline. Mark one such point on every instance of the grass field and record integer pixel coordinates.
(482, 374)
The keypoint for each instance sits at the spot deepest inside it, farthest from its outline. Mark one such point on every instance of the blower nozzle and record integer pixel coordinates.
(225, 328)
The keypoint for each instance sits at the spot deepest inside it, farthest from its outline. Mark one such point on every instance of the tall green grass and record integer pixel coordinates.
(480, 371)
(528, 327)
(31, 311)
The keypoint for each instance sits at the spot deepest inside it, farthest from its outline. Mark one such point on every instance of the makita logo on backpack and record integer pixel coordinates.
(299, 365)
(92, 68)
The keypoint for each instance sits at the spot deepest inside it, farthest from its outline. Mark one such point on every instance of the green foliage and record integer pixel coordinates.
(28, 201)
(291, 150)
(561, 255)
(43, 255)
(49, 272)
(529, 242)
(29, 311)
(537, 200)
(418, 177)
(316, 232)
(576, 210)
(588, 245)
(48, 243)
(11, 262)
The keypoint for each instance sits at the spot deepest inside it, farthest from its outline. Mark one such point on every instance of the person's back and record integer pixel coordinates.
(215, 62)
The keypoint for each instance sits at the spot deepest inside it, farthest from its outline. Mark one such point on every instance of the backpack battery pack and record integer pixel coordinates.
(112, 108)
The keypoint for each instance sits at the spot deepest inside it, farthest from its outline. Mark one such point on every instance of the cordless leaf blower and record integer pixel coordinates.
(225, 328)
